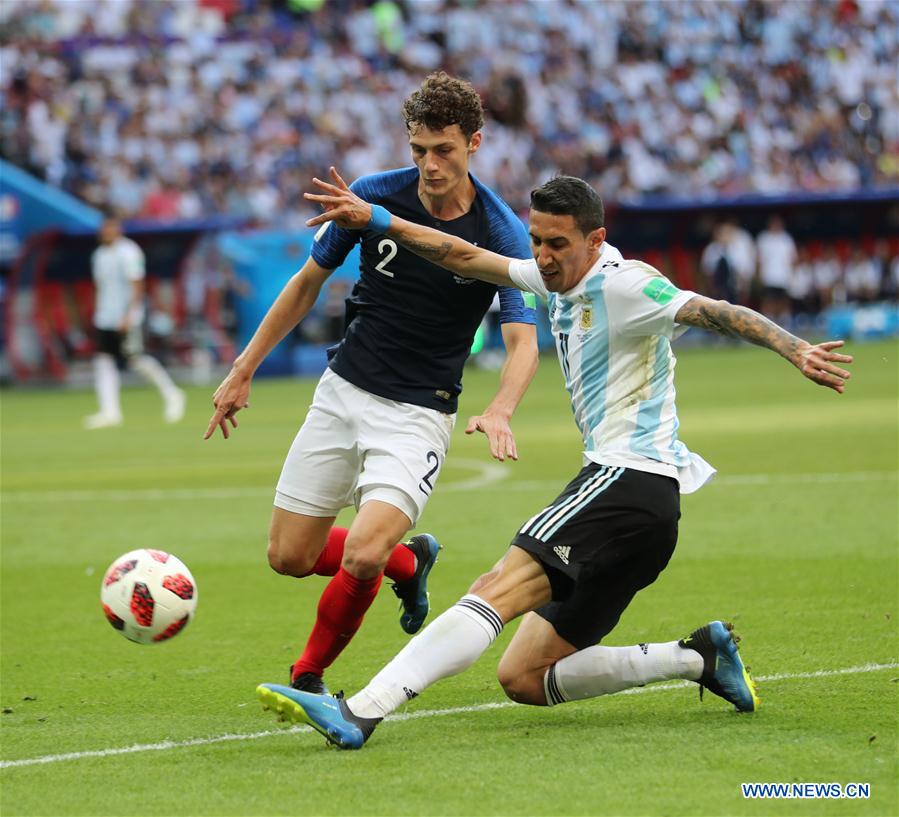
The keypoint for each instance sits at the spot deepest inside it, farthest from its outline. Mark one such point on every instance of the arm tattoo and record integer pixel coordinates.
(427, 250)
(738, 322)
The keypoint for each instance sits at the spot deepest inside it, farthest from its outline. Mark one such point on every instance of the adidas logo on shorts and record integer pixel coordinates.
(563, 552)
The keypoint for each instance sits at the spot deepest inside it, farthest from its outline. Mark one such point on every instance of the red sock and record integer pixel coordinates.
(329, 559)
(400, 566)
(341, 609)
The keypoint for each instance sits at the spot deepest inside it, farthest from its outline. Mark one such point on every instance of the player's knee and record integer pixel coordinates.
(364, 557)
(522, 687)
(365, 563)
(290, 561)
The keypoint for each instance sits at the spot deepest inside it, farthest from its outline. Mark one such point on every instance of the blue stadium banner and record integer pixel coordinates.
(28, 205)
(266, 260)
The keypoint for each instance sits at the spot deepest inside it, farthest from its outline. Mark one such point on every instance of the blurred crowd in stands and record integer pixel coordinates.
(185, 108)
(181, 109)
(790, 283)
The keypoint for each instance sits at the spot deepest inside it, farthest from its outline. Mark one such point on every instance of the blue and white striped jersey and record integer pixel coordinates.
(410, 323)
(613, 333)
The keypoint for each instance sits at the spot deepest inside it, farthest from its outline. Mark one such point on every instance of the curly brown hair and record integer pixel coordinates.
(442, 101)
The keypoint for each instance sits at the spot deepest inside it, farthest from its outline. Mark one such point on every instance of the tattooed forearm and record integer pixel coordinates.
(738, 322)
(450, 252)
(817, 362)
(432, 251)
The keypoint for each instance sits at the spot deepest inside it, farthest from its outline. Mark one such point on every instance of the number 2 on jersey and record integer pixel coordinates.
(426, 479)
(390, 247)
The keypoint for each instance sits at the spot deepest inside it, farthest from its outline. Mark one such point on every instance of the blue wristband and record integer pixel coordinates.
(380, 219)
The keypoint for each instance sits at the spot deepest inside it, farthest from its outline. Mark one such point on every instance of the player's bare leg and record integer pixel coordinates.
(534, 648)
(296, 540)
(543, 669)
(516, 585)
(376, 529)
(449, 645)
(301, 545)
(458, 637)
(369, 550)
(349, 594)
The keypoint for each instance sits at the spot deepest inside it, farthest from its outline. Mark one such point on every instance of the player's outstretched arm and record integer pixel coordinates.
(520, 340)
(289, 308)
(818, 362)
(344, 207)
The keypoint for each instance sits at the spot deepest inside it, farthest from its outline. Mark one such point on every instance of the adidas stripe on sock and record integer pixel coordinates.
(603, 670)
(451, 643)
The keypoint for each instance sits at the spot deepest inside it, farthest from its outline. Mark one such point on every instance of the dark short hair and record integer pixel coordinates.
(442, 101)
(570, 196)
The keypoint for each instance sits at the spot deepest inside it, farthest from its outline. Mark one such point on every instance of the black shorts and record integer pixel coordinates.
(120, 345)
(606, 536)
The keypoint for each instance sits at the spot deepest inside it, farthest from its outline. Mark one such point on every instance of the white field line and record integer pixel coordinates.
(488, 473)
(427, 713)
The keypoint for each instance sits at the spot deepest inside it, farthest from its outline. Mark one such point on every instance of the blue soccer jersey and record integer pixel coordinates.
(410, 323)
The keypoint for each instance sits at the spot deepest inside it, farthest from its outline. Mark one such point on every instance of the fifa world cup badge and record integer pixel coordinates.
(586, 316)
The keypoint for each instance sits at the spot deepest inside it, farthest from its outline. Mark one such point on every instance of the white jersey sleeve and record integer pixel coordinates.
(526, 276)
(132, 259)
(643, 302)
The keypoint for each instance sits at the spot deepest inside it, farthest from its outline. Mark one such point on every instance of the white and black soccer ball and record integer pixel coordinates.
(148, 595)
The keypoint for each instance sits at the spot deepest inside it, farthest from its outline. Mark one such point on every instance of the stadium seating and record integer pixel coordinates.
(173, 110)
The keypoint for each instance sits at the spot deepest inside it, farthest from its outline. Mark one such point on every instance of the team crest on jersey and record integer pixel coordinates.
(586, 316)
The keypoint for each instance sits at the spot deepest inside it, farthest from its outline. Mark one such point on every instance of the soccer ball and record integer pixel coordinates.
(148, 595)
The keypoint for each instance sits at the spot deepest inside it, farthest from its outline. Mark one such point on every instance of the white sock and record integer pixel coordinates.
(106, 383)
(604, 670)
(151, 369)
(451, 643)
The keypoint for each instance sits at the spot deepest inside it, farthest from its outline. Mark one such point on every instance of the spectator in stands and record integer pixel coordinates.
(801, 289)
(777, 257)
(716, 263)
(729, 262)
(862, 277)
(888, 267)
(828, 276)
(117, 266)
(741, 251)
(210, 285)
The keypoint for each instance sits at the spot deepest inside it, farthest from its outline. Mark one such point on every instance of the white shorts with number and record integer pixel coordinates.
(355, 446)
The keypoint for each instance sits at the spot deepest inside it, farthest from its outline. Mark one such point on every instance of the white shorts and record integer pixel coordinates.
(355, 446)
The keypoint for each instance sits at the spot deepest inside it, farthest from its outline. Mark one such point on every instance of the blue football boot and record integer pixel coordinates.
(309, 682)
(724, 673)
(414, 593)
(325, 713)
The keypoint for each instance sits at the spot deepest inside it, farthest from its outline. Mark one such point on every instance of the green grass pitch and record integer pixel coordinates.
(795, 541)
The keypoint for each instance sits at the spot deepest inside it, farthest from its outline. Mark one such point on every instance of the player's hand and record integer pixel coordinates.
(499, 434)
(230, 397)
(818, 362)
(340, 204)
